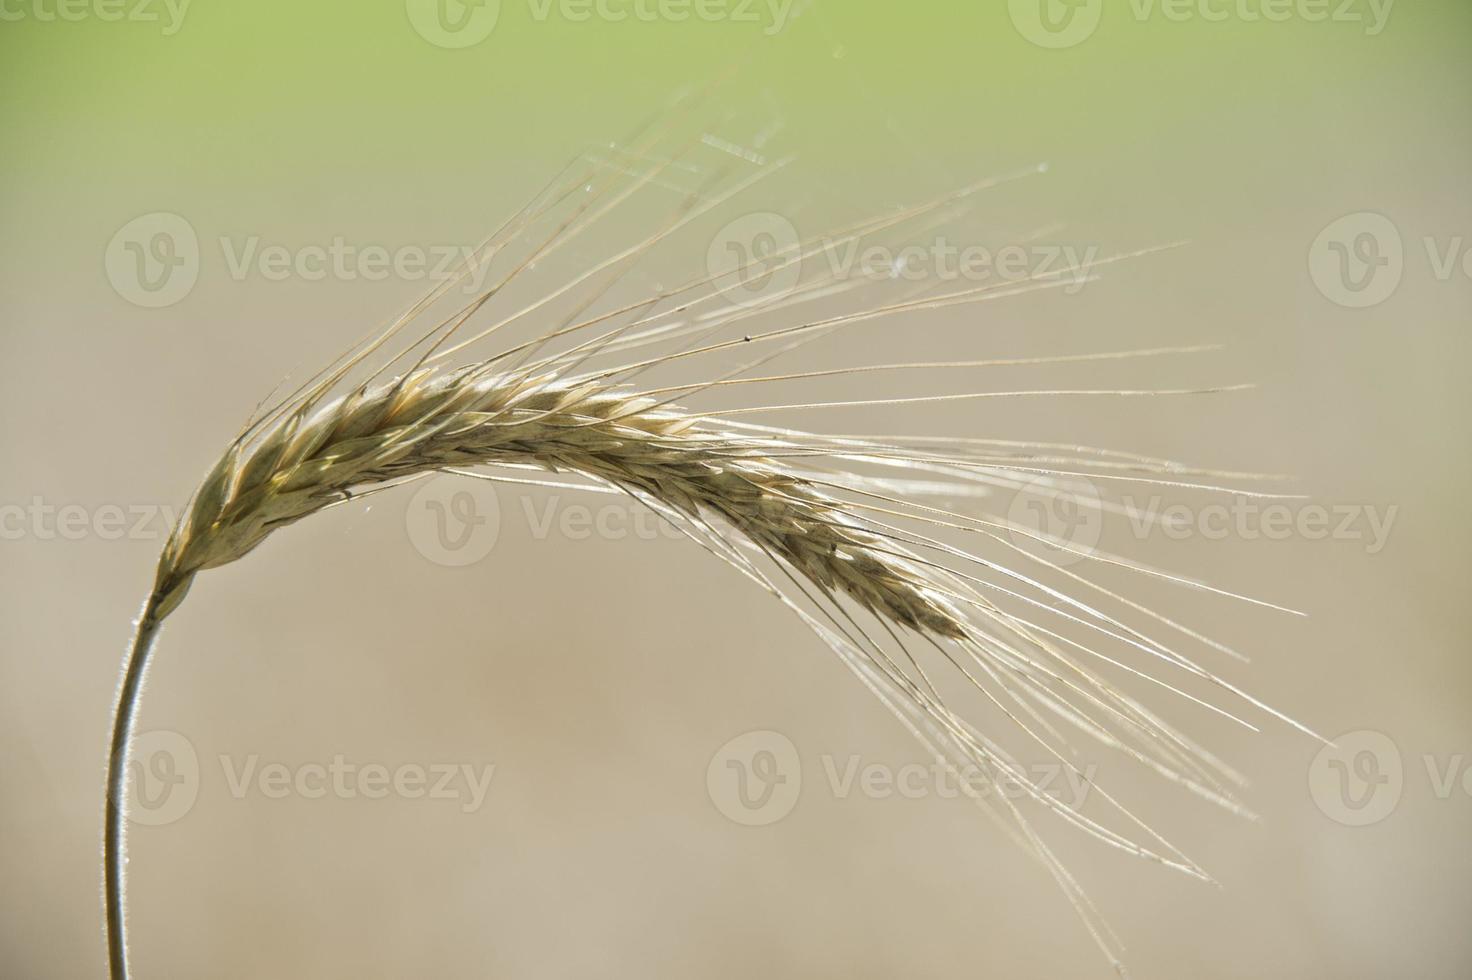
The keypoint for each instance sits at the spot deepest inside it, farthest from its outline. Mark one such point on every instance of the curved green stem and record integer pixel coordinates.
(113, 843)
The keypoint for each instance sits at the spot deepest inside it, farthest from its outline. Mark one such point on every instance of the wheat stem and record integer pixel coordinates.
(114, 846)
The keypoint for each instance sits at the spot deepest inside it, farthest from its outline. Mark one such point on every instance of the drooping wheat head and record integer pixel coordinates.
(841, 529)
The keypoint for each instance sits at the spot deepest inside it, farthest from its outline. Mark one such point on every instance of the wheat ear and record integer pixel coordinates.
(837, 527)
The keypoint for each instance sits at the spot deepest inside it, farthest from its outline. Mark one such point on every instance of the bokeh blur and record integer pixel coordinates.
(468, 731)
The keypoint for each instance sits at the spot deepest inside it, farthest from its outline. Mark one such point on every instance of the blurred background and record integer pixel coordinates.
(551, 740)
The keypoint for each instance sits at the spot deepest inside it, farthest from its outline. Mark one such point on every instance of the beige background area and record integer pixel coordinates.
(603, 674)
